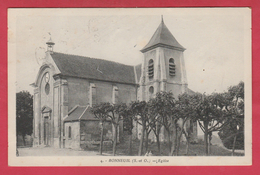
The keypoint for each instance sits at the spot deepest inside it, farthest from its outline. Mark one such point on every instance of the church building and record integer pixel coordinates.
(67, 86)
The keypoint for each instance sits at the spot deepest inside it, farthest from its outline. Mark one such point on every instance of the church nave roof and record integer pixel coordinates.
(92, 68)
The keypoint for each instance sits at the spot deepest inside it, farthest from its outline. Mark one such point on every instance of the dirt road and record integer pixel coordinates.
(47, 151)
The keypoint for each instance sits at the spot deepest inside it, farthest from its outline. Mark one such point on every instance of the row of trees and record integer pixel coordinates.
(215, 112)
(222, 112)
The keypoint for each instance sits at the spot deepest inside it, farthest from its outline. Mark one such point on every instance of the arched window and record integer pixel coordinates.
(171, 67)
(47, 88)
(151, 91)
(47, 85)
(150, 69)
(92, 95)
(115, 95)
(69, 132)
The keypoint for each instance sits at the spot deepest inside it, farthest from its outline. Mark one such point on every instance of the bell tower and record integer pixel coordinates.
(163, 67)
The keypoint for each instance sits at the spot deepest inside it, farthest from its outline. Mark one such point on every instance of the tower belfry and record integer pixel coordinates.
(163, 67)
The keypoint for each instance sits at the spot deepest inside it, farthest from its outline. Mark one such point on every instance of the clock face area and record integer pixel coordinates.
(47, 84)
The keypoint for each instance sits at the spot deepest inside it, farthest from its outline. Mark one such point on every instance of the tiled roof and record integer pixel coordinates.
(80, 113)
(162, 36)
(91, 68)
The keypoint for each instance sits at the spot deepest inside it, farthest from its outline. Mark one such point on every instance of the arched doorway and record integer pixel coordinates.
(46, 115)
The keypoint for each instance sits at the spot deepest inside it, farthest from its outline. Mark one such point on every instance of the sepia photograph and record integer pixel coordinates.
(129, 87)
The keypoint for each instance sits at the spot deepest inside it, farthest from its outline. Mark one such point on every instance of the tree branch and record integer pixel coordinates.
(201, 126)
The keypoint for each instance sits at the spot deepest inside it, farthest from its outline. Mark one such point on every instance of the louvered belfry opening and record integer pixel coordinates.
(171, 67)
(151, 69)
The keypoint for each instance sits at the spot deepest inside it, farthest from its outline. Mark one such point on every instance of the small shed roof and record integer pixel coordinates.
(80, 113)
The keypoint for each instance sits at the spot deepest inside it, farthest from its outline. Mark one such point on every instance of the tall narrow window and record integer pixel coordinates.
(92, 95)
(115, 95)
(150, 69)
(171, 67)
(69, 134)
(151, 91)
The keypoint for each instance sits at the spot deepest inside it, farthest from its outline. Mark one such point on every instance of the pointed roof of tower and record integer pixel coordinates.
(162, 37)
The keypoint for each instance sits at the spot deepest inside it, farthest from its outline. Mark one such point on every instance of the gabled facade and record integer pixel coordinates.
(65, 81)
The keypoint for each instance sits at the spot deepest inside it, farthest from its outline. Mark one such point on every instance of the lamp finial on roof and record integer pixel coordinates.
(50, 45)
(162, 17)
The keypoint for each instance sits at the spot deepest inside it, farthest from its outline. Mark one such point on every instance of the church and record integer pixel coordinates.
(67, 86)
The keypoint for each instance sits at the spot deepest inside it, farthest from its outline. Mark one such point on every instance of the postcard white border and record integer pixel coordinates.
(96, 160)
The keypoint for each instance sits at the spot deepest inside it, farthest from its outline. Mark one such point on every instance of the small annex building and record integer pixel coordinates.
(83, 129)
(66, 86)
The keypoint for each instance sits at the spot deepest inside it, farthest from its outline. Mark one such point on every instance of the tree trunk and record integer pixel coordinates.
(187, 142)
(141, 142)
(174, 139)
(130, 144)
(179, 140)
(206, 143)
(146, 140)
(209, 144)
(101, 139)
(17, 140)
(169, 140)
(206, 138)
(24, 144)
(234, 145)
(209, 147)
(178, 144)
(187, 146)
(158, 144)
(115, 139)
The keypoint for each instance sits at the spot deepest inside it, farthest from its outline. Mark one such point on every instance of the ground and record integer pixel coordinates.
(195, 150)
(48, 151)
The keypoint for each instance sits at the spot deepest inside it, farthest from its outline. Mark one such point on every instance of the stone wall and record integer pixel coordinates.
(74, 141)
(78, 90)
(90, 133)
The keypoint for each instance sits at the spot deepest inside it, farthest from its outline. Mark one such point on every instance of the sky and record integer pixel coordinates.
(216, 40)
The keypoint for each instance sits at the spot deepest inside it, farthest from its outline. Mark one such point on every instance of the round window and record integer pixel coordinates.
(47, 88)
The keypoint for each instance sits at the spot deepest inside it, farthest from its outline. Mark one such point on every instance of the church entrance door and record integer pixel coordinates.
(46, 131)
(46, 114)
